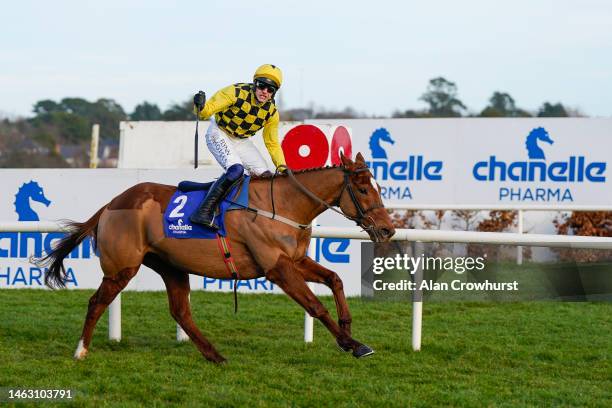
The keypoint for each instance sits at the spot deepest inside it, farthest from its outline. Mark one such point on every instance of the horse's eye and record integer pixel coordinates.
(362, 190)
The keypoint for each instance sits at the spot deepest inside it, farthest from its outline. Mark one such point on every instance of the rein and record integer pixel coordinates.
(308, 192)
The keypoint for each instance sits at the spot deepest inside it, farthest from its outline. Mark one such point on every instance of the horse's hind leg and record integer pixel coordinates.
(106, 293)
(285, 275)
(177, 287)
(314, 272)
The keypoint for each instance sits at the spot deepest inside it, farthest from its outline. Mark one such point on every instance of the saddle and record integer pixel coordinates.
(187, 186)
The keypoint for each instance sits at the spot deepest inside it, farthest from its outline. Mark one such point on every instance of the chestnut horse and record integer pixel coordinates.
(129, 233)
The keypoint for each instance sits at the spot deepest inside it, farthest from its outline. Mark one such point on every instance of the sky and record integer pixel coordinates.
(375, 56)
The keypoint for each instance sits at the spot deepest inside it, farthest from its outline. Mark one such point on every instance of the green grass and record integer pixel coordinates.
(474, 354)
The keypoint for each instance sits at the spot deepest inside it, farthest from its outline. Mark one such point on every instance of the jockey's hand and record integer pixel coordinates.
(282, 169)
(199, 100)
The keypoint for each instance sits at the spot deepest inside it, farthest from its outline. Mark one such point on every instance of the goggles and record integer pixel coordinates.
(263, 86)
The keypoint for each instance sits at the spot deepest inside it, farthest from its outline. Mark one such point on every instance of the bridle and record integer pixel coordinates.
(361, 215)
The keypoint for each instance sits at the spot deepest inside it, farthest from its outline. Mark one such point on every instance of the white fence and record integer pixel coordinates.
(519, 208)
(356, 233)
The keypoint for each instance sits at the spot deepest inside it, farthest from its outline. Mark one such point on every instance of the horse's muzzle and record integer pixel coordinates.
(386, 233)
(381, 234)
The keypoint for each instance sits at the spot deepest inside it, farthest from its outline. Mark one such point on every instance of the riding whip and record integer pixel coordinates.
(195, 142)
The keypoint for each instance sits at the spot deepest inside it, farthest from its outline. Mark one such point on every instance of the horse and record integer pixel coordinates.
(128, 232)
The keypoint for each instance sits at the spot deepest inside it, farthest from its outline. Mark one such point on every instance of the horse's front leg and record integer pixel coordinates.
(315, 272)
(285, 274)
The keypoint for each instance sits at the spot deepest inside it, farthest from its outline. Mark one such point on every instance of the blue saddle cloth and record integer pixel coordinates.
(186, 200)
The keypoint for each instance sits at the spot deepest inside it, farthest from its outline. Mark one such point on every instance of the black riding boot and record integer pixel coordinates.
(206, 212)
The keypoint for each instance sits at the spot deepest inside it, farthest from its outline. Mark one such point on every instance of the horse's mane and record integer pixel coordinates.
(313, 169)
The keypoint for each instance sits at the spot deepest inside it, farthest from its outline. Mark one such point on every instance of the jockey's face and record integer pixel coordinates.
(263, 95)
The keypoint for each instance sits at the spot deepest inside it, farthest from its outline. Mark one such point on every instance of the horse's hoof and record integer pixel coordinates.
(80, 356)
(80, 352)
(363, 351)
(218, 360)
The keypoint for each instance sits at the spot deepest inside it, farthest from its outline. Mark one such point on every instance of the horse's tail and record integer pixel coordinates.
(56, 273)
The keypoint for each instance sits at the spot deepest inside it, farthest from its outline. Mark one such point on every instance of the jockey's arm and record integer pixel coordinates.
(219, 101)
(270, 137)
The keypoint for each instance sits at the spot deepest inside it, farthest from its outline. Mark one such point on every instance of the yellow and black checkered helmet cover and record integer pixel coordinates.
(270, 72)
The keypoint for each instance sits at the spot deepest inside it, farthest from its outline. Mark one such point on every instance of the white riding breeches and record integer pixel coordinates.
(229, 150)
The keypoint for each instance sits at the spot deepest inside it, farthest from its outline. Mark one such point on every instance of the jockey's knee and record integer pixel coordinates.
(234, 172)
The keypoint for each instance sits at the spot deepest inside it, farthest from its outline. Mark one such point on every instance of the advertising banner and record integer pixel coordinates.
(488, 161)
(469, 161)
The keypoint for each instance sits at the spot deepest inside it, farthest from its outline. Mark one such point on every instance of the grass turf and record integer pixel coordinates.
(474, 354)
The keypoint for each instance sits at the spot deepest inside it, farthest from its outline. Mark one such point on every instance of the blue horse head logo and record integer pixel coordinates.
(29, 192)
(379, 135)
(531, 143)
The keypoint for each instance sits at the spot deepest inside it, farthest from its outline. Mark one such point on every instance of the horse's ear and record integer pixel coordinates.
(346, 161)
(359, 159)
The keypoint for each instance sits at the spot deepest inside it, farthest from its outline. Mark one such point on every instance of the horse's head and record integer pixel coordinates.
(36, 193)
(360, 200)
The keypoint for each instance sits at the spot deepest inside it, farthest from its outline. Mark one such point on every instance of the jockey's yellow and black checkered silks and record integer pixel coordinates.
(239, 114)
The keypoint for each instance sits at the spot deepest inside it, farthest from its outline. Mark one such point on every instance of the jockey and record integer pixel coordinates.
(239, 110)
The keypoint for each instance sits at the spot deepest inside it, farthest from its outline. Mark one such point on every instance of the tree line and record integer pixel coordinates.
(442, 99)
